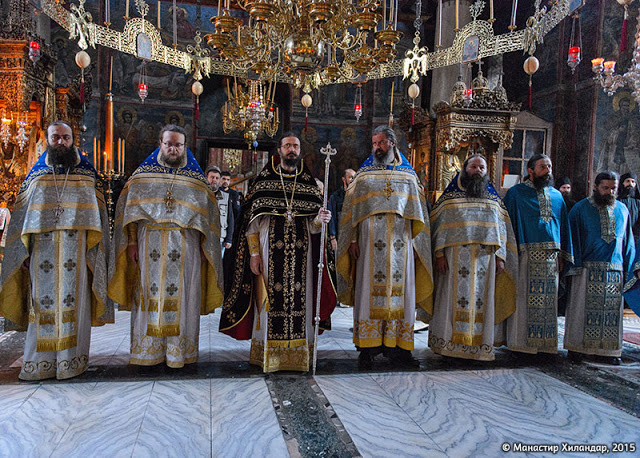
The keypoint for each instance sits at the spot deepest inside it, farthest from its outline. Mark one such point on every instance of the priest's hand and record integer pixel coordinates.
(27, 262)
(132, 252)
(226, 245)
(354, 250)
(499, 266)
(442, 265)
(324, 216)
(334, 243)
(256, 265)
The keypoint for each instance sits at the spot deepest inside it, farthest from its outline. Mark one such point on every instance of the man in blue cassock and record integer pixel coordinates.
(541, 226)
(603, 248)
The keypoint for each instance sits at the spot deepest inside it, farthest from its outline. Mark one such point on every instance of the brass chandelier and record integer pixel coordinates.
(251, 110)
(313, 41)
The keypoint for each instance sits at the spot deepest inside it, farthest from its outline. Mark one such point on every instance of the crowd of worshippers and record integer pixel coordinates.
(481, 270)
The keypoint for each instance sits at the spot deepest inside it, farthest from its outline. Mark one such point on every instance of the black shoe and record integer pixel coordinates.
(574, 356)
(365, 360)
(404, 358)
(613, 360)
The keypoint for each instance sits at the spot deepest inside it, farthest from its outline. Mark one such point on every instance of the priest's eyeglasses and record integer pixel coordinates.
(173, 145)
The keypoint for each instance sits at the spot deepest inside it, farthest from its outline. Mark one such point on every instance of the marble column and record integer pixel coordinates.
(444, 78)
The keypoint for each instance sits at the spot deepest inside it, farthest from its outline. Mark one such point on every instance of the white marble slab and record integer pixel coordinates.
(12, 397)
(41, 421)
(375, 422)
(108, 423)
(243, 422)
(177, 420)
(470, 414)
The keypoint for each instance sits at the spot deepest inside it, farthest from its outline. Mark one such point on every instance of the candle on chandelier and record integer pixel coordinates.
(107, 12)
(159, 15)
(393, 83)
(123, 154)
(175, 23)
(395, 18)
(610, 65)
(491, 10)
(440, 24)
(514, 9)
(95, 164)
(126, 14)
(457, 14)
(596, 63)
(384, 13)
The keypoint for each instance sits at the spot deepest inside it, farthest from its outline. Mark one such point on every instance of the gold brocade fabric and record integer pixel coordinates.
(277, 358)
(457, 220)
(84, 213)
(193, 206)
(368, 196)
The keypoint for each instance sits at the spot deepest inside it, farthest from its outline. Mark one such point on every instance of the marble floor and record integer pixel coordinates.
(223, 407)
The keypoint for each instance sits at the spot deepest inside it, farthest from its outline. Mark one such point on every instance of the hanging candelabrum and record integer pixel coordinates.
(251, 110)
(357, 102)
(605, 71)
(575, 44)
(21, 135)
(5, 129)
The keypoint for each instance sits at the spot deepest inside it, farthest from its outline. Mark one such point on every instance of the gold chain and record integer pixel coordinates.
(290, 213)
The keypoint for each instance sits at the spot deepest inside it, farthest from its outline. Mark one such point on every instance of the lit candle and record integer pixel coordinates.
(99, 154)
(95, 165)
(457, 14)
(123, 154)
(610, 65)
(597, 62)
(159, 15)
(105, 162)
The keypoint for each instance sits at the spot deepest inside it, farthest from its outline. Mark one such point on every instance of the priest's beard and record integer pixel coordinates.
(542, 182)
(475, 185)
(61, 156)
(627, 192)
(603, 201)
(383, 158)
(177, 162)
(292, 162)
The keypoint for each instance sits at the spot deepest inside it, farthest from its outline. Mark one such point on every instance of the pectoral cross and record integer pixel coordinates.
(169, 201)
(388, 190)
(58, 211)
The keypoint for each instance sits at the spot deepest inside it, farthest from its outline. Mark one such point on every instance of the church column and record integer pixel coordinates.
(444, 78)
